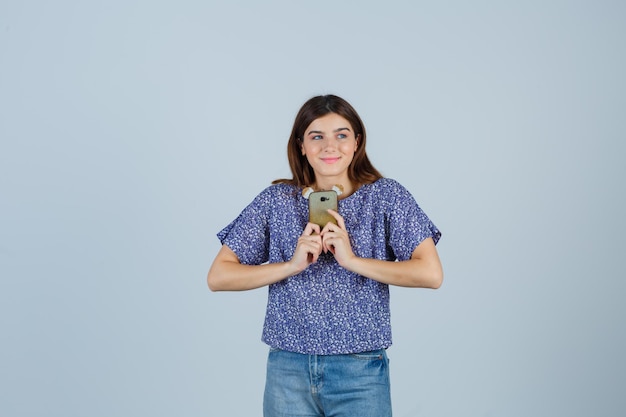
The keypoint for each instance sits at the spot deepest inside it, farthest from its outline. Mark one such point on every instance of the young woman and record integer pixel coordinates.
(327, 321)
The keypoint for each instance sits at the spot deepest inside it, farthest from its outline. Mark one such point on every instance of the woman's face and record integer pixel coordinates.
(329, 144)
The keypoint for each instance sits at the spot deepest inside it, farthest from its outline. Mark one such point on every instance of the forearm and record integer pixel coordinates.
(418, 273)
(232, 276)
(228, 273)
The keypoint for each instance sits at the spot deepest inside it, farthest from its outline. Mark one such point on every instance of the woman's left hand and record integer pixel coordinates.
(335, 240)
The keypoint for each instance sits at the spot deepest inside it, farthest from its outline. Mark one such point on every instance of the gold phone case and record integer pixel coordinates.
(319, 202)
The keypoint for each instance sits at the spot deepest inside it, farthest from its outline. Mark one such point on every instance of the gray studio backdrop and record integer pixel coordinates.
(132, 131)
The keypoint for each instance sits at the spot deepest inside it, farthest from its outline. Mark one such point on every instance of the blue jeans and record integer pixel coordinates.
(350, 385)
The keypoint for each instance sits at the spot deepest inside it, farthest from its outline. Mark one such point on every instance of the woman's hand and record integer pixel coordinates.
(335, 240)
(308, 248)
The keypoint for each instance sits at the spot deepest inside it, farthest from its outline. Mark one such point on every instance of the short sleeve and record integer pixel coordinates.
(408, 225)
(248, 235)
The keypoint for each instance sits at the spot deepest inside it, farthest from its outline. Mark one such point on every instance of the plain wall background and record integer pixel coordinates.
(132, 131)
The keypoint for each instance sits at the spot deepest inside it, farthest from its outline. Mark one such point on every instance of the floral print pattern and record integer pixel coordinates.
(327, 309)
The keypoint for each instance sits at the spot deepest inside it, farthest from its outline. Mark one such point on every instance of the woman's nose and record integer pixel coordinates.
(330, 143)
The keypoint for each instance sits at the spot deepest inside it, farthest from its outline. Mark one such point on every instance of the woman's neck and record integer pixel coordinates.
(346, 187)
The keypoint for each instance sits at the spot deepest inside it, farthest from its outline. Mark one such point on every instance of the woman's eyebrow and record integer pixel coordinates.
(319, 132)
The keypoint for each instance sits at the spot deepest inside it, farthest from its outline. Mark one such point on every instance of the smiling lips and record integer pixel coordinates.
(330, 160)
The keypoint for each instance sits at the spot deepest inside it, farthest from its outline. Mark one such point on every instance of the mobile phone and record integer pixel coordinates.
(319, 202)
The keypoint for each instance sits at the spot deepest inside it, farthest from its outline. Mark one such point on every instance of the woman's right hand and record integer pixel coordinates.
(308, 248)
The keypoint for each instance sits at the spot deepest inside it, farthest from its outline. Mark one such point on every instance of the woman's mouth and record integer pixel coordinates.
(330, 160)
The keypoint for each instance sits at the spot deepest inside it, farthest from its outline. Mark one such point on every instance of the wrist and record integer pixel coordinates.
(291, 268)
(351, 263)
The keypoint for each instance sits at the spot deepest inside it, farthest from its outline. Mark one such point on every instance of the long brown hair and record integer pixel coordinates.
(361, 170)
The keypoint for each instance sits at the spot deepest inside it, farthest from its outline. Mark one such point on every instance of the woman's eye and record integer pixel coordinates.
(317, 137)
(342, 136)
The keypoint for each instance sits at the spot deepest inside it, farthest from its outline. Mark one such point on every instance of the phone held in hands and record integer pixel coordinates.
(319, 202)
